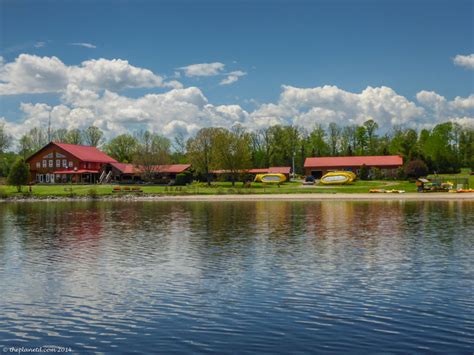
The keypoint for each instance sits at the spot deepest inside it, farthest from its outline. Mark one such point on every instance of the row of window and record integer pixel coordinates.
(50, 163)
(45, 178)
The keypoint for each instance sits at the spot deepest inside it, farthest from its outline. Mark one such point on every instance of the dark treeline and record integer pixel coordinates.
(445, 148)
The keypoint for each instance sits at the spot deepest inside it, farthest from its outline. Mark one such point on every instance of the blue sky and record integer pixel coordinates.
(407, 46)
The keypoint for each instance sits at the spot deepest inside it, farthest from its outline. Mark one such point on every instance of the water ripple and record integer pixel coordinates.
(270, 277)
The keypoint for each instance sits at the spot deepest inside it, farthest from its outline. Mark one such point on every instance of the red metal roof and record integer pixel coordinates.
(166, 169)
(375, 160)
(86, 153)
(124, 168)
(258, 171)
(279, 170)
(271, 170)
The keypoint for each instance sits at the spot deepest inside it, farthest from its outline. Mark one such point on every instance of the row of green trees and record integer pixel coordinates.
(445, 148)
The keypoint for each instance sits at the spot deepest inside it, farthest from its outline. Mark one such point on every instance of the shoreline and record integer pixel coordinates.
(434, 196)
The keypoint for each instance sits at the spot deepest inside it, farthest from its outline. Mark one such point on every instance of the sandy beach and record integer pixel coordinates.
(324, 197)
(266, 197)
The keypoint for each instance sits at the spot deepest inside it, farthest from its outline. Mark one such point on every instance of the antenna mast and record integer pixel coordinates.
(49, 127)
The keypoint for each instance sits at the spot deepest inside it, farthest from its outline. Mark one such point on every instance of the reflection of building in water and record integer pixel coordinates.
(353, 219)
(273, 217)
(375, 229)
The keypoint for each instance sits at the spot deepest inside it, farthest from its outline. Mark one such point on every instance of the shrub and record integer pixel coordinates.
(416, 169)
(401, 173)
(364, 172)
(19, 174)
(3, 193)
(181, 179)
(92, 193)
(376, 173)
(189, 176)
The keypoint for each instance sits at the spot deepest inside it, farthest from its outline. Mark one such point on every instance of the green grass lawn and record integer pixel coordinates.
(217, 188)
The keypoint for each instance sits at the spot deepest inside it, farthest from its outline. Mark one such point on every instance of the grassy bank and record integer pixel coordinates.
(217, 188)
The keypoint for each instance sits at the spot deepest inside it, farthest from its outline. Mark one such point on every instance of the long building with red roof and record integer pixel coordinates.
(285, 170)
(121, 172)
(318, 166)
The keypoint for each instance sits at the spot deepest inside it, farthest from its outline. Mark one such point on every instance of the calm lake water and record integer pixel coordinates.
(240, 277)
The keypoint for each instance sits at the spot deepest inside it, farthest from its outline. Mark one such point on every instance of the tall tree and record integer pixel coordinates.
(93, 136)
(60, 135)
(5, 138)
(334, 132)
(361, 140)
(74, 136)
(232, 150)
(404, 142)
(122, 148)
(32, 141)
(179, 149)
(200, 150)
(466, 147)
(348, 140)
(371, 127)
(317, 142)
(440, 148)
(152, 150)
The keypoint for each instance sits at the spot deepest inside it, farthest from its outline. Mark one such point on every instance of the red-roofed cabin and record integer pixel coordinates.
(62, 163)
(121, 172)
(319, 166)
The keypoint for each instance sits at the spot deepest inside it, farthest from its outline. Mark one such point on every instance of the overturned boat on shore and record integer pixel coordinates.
(270, 178)
(338, 178)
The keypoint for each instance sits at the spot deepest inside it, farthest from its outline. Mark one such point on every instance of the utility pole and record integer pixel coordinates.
(49, 127)
(293, 161)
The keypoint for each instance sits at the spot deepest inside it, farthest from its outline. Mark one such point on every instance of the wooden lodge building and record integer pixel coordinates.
(63, 163)
(69, 163)
(317, 167)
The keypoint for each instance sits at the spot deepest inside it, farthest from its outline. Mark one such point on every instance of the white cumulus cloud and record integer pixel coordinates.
(184, 111)
(89, 95)
(232, 77)
(203, 69)
(84, 44)
(34, 74)
(466, 61)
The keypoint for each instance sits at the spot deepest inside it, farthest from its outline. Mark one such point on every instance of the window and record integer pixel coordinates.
(38, 164)
(41, 177)
(64, 163)
(51, 163)
(58, 163)
(44, 164)
(70, 164)
(47, 177)
(51, 178)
